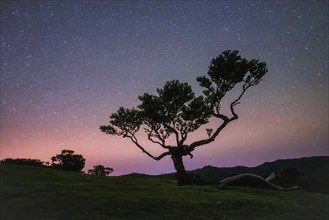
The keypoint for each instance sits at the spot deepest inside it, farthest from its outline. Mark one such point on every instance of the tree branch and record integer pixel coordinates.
(184, 137)
(236, 102)
(157, 135)
(184, 130)
(211, 138)
(221, 116)
(173, 130)
(135, 141)
(149, 136)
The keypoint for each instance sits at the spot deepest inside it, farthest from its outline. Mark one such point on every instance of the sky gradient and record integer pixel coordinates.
(67, 65)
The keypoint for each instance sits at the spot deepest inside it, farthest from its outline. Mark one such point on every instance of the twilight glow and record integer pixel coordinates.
(67, 65)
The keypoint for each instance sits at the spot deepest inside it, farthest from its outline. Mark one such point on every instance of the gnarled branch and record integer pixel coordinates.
(135, 141)
(211, 138)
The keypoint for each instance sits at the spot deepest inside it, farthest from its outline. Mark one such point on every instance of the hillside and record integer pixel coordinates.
(314, 172)
(43, 193)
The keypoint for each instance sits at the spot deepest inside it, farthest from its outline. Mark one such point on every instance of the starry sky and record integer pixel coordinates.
(67, 65)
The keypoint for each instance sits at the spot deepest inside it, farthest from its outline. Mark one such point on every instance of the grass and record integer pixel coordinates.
(48, 194)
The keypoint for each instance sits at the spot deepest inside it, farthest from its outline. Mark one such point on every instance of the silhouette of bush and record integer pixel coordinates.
(24, 162)
(67, 160)
(100, 170)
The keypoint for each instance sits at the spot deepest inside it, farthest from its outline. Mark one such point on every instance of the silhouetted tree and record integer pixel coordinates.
(176, 112)
(100, 170)
(67, 160)
(24, 162)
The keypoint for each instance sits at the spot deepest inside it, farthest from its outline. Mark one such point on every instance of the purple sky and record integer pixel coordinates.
(67, 65)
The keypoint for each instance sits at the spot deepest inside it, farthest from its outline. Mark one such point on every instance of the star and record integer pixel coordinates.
(67, 65)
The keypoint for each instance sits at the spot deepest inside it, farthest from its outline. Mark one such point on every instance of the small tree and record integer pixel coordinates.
(100, 170)
(67, 160)
(176, 112)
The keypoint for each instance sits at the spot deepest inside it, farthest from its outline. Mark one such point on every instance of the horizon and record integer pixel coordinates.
(224, 167)
(66, 66)
(231, 166)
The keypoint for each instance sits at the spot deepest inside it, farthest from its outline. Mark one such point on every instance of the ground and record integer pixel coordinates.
(43, 193)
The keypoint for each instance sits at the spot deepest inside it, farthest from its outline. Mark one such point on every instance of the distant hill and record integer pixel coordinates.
(313, 172)
(136, 175)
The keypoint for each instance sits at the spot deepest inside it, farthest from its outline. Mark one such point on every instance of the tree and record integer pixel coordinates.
(24, 162)
(67, 160)
(100, 170)
(175, 111)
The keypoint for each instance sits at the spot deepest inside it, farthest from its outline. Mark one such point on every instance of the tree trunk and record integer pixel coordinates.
(182, 176)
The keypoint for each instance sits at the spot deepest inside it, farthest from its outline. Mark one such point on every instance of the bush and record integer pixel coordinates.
(100, 170)
(24, 162)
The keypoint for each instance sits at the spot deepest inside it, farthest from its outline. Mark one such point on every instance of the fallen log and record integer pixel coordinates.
(253, 181)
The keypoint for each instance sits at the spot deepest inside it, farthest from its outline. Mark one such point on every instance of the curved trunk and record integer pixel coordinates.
(180, 169)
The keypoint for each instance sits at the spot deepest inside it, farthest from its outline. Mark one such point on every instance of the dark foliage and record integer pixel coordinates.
(100, 170)
(67, 160)
(308, 173)
(176, 111)
(290, 176)
(24, 162)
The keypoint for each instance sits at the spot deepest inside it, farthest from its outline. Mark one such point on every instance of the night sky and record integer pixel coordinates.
(67, 65)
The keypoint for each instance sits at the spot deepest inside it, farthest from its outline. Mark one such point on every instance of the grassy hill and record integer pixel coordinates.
(48, 194)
